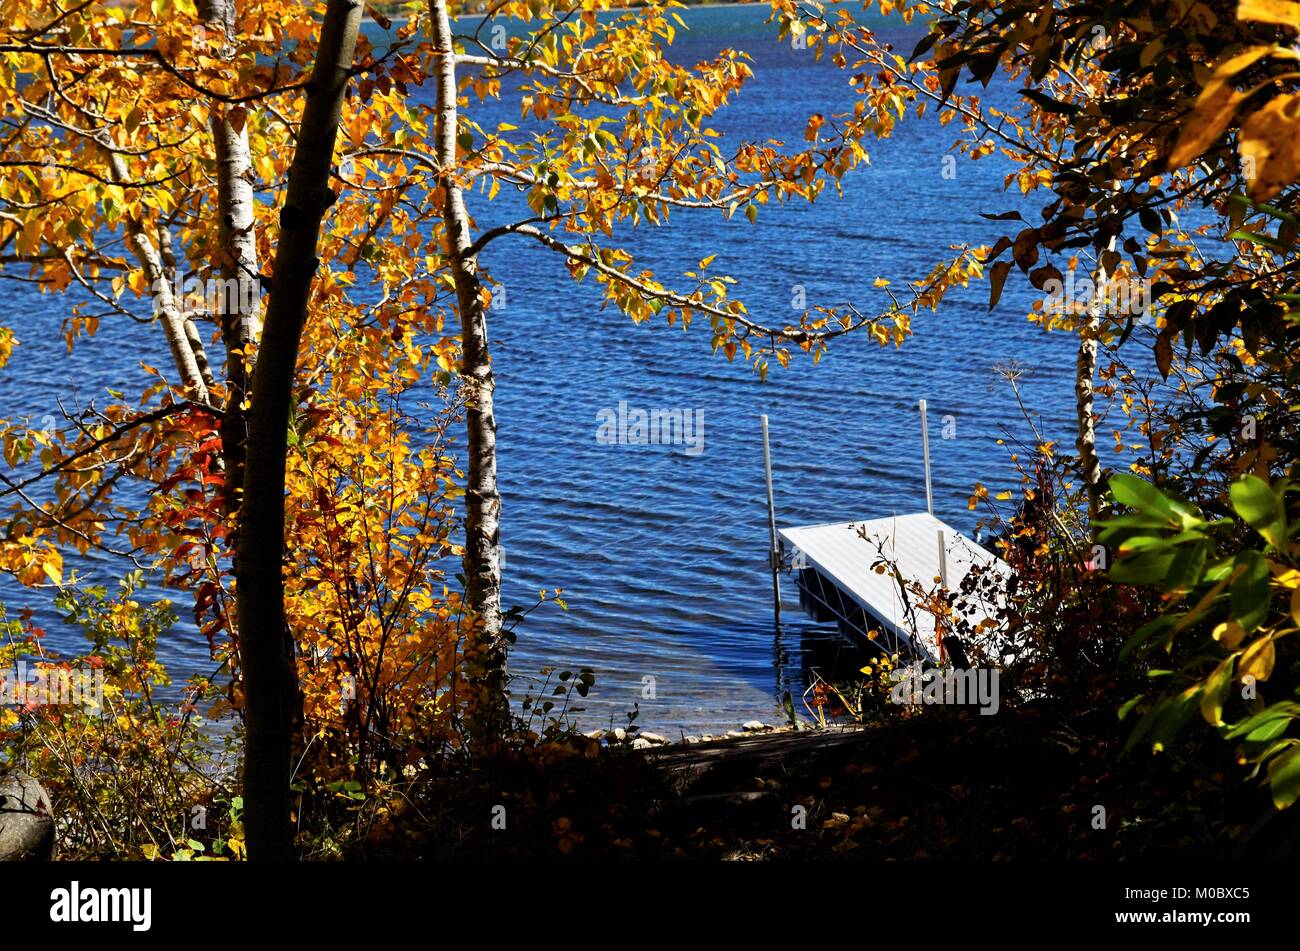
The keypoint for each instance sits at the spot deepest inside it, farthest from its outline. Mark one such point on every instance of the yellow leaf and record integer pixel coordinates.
(1229, 634)
(1252, 54)
(1216, 687)
(1258, 659)
(1211, 115)
(53, 567)
(1270, 11)
(1270, 146)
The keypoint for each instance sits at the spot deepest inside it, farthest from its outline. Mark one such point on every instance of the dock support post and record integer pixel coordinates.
(774, 554)
(939, 634)
(943, 560)
(925, 450)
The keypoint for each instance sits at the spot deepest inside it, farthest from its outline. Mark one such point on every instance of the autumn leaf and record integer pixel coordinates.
(1257, 661)
(1216, 691)
(1270, 146)
(1041, 276)
(1214, 110)
(1025, 249)
(1284, 777)
(997, 278)
(236, 116)
(1283, 12)
(53, 567)
(1229, 634)
(1164, 352)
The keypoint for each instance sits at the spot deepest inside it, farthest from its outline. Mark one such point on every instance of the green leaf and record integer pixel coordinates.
(1145, 568)
(1261, 508)
(1284, 777)
(1165, 718)
(1216, 691)
(1282, 713)
(1144, 497)
(1129, 704)
(1186, 567)
(1250, 594)
(1145, 633)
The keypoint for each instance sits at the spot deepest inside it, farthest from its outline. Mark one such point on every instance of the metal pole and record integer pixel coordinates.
(943, 581)
(943, 561)
(925, 449)
(774, 555)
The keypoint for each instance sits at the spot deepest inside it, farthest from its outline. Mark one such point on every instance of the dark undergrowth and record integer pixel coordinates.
(1025, 784)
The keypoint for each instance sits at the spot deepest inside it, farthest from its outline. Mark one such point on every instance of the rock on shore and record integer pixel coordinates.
(26, 819)
(644, 739)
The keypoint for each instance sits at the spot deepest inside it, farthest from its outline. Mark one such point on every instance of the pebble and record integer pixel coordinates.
(753, 726)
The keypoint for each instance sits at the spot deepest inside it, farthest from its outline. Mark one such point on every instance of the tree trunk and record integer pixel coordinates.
(238, 263)
(167, 307)
(1086, 443)
(192, 337)
(1085, 370)
(266, 647)
(482, 500)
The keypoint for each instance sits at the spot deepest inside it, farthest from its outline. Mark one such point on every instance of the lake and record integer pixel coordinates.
(662, 550)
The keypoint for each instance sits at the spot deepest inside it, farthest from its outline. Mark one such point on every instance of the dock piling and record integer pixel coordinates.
(774, 555)
(925, 450)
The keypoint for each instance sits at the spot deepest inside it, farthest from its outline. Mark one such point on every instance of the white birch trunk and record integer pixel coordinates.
(482, 499)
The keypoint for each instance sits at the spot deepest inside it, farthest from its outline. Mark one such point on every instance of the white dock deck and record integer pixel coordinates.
(844, 554)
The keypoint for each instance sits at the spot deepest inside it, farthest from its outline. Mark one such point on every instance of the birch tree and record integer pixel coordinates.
(626, 141)
(237, 260)
(104, 177)
(152, 149)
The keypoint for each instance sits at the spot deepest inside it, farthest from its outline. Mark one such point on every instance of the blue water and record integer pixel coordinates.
(661, 553)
